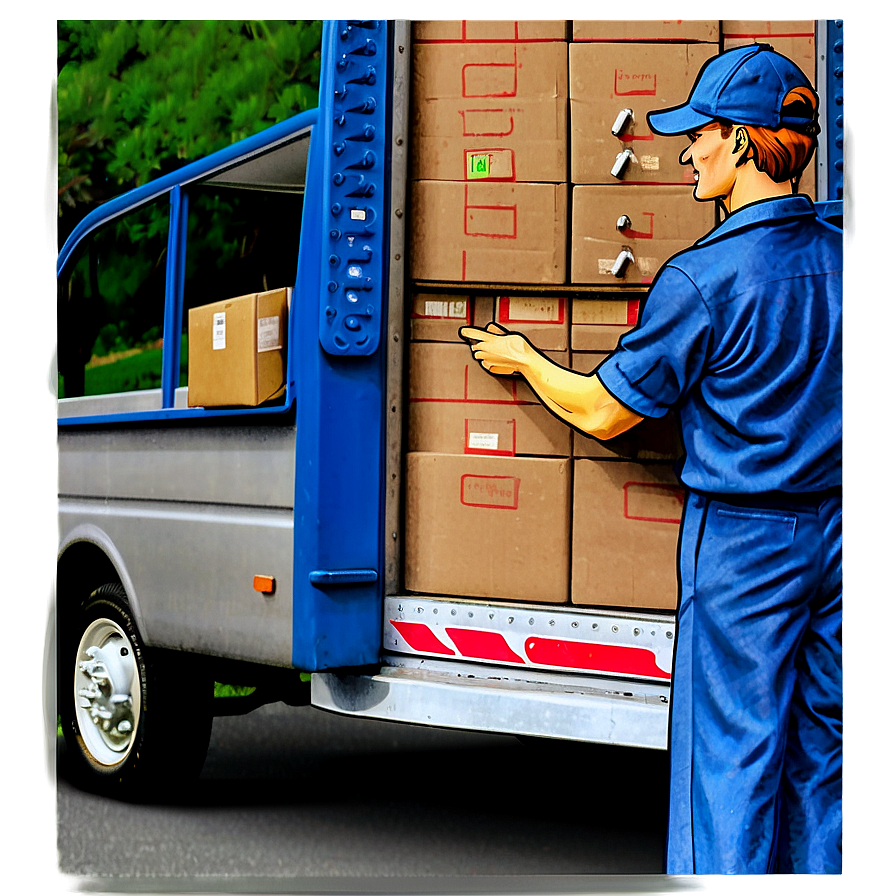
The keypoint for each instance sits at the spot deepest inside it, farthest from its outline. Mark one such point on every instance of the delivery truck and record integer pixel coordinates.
(291, 477)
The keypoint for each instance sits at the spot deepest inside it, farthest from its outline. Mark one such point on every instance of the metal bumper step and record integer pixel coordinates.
(477, 697)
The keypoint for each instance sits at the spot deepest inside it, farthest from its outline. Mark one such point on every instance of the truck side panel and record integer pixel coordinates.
(226, 491)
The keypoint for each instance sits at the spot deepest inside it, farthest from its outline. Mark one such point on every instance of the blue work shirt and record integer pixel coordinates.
(741, 334)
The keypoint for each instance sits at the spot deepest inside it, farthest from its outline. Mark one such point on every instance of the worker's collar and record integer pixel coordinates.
(765, 211)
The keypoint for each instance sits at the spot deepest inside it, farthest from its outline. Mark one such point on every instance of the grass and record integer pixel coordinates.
(129, 371)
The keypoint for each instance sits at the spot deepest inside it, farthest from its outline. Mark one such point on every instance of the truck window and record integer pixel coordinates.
(111, 305)
(239, 241)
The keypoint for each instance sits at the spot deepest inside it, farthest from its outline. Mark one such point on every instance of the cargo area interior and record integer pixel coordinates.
(540, 199)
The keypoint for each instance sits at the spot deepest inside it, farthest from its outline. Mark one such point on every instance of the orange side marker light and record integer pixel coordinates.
(264, 584)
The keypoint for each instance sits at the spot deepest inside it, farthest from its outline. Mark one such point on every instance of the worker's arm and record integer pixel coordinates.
(579, 399)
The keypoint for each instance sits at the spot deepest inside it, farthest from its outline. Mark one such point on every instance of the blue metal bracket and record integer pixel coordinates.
(323, 577)
(355, 177)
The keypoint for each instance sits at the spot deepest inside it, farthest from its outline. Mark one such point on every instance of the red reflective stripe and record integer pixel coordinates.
(601, 657)
(482, 645)
(420, 637)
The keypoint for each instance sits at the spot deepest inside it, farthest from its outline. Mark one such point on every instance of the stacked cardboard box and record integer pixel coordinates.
(503, 499)
(632, 203)
(489, 468)
(632, 208)
(489, 176)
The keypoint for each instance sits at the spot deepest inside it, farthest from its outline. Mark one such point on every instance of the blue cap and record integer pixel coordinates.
(745, 85)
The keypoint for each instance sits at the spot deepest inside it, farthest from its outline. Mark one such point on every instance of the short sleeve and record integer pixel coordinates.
(658, 361)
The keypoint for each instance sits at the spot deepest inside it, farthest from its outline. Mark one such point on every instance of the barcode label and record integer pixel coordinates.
(219, 331)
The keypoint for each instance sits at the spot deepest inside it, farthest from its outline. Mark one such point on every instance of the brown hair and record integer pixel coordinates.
(783, 153)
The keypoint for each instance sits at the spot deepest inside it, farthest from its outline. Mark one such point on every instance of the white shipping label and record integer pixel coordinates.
(650, 163)
(483, 441)
(219, 331)
(269, 333)
(453, 310)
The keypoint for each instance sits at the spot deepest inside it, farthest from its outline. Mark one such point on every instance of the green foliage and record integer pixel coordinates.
(140, 99)
(120, 367)
(232, 690)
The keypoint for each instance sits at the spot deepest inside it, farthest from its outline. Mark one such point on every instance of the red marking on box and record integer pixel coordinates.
(484, 79)
(632, 311)
(639, 496)
(550, 317)
(420, 637)
(642, 84)
(492, 221)
(491, 452)
(486, 122)
(628, 40)
(481, 645)
(641, 234)
(598, 657)
(494, 492)
(511, 402)
(735, 34)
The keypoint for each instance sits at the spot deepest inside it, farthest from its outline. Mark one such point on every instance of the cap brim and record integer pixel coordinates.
(678, 120)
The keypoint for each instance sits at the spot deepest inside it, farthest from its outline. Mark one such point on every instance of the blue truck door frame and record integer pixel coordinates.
(339, 364)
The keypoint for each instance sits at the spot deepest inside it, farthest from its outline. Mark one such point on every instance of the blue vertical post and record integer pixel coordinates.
(174, 294)
(835, 129)
(339, 356)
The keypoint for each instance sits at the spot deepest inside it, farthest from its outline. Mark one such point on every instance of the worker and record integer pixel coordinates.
(741, 335)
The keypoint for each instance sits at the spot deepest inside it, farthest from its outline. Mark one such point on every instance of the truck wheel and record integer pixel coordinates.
(136, 721)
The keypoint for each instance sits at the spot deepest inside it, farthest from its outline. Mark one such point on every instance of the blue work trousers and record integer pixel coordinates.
(756, 719)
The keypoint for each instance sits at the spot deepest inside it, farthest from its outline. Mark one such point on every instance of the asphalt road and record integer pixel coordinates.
(300, 799)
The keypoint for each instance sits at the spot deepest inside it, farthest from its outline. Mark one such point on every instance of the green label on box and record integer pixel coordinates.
(478, 165)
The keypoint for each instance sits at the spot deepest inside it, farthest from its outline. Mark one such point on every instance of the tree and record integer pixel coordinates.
(137, 100)
(140, 99)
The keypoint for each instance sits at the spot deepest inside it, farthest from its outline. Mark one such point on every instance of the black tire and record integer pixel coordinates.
(136, 721)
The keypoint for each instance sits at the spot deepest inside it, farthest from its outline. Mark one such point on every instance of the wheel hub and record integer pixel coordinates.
(106, 691)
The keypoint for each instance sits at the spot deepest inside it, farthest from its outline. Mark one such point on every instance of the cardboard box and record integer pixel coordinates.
(680, 30)
(604, 80)
(238, 350)
(660, 222)
(490, 111)
(436, 317)
(470, 31)
(651, 439)
(543, 320)
(488, 232)
(625, 534)
(456, 407)
(796, 41)
(598, 323)
(488, 527)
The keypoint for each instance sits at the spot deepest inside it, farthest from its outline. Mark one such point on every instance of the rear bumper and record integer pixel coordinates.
(496, 699)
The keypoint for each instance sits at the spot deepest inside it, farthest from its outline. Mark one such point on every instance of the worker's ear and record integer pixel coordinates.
(741, 140)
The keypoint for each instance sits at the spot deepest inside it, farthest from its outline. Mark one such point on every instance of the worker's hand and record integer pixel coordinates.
(498, 350)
